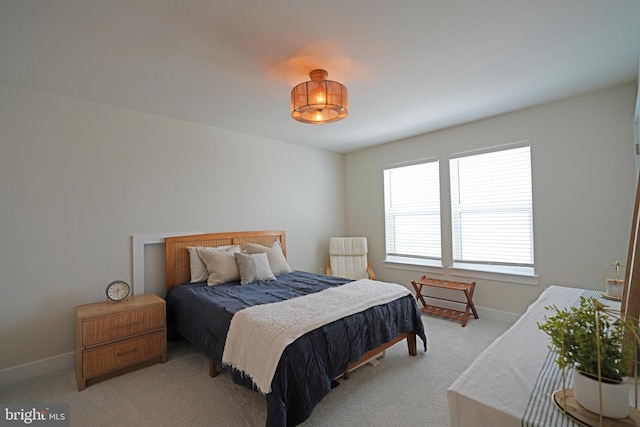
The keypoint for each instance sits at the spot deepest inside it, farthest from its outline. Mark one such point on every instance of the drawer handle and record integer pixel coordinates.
(127, 352)
(127, 325)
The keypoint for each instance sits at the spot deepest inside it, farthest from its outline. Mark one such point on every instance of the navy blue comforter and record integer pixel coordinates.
(202, 314)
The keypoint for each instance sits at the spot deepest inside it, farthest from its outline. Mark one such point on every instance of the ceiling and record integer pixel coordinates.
(411, 66)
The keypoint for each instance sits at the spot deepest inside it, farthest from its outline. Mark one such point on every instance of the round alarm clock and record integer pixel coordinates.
(118, 291)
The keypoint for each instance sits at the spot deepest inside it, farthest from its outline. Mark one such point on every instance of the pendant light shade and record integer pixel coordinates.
(319, 100)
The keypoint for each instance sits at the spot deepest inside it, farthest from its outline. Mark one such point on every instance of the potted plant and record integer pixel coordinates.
(589, 338)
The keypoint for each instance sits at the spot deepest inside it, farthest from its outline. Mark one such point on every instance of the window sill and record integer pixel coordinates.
(463, 270)
(426, 266)
(520, 278)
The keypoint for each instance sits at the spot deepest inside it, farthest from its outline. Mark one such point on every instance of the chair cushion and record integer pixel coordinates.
(348, 246)
(348, 257)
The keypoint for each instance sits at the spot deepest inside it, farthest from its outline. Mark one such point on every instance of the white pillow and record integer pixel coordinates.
(277, 261)
(253, 267)
(199, 272)
(221, 264)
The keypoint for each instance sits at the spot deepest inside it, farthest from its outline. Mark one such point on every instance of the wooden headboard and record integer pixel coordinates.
(178, 267)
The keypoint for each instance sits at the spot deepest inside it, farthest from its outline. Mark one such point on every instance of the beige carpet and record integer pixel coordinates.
(399, 391)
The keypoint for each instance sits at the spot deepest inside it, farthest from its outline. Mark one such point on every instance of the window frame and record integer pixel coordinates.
(524, 273)
(405, 261)
(446, 265)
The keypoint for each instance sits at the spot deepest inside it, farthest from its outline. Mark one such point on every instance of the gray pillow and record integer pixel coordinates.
(253, 267)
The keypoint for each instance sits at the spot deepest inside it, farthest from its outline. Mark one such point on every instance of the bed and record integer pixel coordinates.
(511, 382)
(306, 370)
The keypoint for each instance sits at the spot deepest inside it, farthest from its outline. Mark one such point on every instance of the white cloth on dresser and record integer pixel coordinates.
(258, 335)
(512, 381)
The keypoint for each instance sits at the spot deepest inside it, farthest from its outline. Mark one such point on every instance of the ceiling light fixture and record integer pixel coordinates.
(319, 100)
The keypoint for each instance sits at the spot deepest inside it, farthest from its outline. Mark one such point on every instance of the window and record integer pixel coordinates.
(412, 213)
(491, 210)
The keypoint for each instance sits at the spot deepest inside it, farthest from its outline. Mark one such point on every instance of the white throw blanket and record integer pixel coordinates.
(258, 335)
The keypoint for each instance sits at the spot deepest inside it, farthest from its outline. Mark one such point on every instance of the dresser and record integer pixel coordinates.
(116, 337)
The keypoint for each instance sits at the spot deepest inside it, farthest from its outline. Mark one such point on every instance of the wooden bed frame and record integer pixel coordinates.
(178, 271)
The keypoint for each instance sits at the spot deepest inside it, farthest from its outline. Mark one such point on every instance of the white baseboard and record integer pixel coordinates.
(483, 313)
(497, 315)
(30, 370)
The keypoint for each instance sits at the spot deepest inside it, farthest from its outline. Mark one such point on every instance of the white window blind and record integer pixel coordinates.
(412, 213)
(491, 208)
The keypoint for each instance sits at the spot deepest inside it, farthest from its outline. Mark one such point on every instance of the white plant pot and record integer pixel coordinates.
(615, 397)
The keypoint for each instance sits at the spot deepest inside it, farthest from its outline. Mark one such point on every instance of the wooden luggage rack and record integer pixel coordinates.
(466, 288)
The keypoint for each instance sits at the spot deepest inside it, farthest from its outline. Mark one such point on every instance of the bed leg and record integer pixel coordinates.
(213, 369)
(411, 344)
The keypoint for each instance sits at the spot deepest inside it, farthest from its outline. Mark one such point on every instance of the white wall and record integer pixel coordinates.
(583, 189)
(78, 179)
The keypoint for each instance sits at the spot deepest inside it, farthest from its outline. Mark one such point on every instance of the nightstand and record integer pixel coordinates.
(114, 338)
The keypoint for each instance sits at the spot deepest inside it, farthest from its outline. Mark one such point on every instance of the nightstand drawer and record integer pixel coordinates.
(105, 358)
(108, 328)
